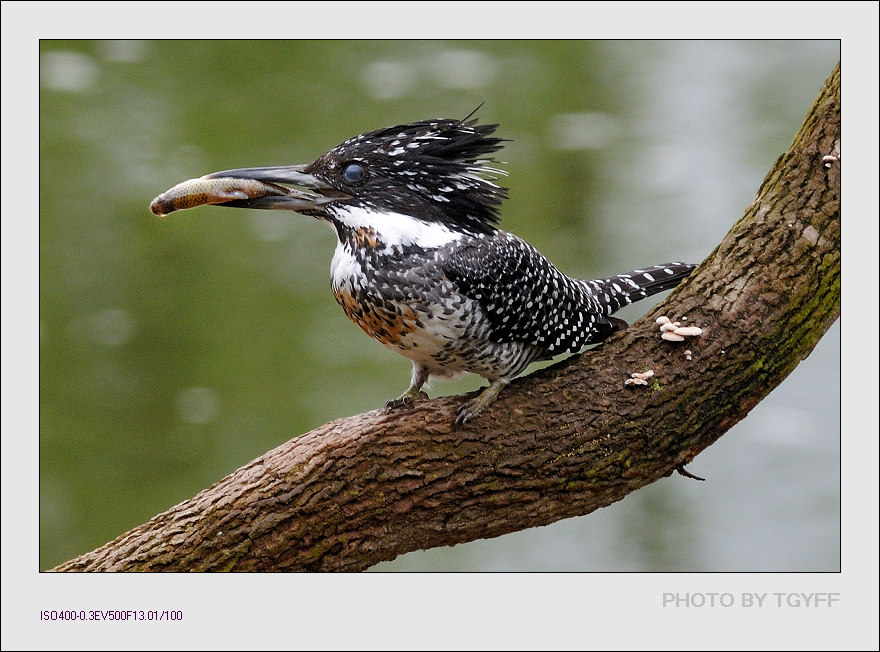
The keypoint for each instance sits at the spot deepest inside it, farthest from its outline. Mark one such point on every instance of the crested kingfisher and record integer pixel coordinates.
(422, 266)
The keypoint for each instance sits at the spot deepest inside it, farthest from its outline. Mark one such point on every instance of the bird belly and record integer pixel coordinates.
(412, 329)
(439, 337)
(419, 313)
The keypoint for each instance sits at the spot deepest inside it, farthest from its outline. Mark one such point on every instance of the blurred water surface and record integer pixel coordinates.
(172, 351)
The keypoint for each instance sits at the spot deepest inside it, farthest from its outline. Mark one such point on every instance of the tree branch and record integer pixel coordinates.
(561, 442)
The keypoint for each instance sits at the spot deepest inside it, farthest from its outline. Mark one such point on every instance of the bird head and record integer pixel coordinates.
(434, 171)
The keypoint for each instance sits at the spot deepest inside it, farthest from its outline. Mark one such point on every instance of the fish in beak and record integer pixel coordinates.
(250, 188)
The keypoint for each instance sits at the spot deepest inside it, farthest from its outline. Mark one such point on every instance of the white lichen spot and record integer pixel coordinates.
(673, 331)
(831, 159)
(639, 378)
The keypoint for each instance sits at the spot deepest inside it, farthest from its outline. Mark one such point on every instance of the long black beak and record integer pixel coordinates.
(286, 174)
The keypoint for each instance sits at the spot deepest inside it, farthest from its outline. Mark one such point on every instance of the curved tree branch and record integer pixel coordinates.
(561, 442)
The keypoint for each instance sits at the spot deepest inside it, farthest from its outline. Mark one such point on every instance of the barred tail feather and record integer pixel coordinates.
(617, 291)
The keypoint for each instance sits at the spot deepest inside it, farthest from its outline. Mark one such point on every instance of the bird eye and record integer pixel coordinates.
(354, 173)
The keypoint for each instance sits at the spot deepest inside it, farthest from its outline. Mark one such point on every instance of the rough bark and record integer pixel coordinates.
(561, 442)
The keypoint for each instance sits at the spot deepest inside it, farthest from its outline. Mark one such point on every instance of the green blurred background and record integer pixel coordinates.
(172, 351)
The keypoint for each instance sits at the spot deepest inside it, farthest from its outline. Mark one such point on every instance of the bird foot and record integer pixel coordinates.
(472, 408)
(407, 398)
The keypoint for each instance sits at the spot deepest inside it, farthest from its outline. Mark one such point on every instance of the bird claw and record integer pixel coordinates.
(405, 399)
(464, 414)
(473, 407)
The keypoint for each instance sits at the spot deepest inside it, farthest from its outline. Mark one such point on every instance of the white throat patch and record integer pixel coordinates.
(396, 229)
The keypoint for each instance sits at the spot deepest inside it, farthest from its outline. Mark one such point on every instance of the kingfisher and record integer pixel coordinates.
(421, 264)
